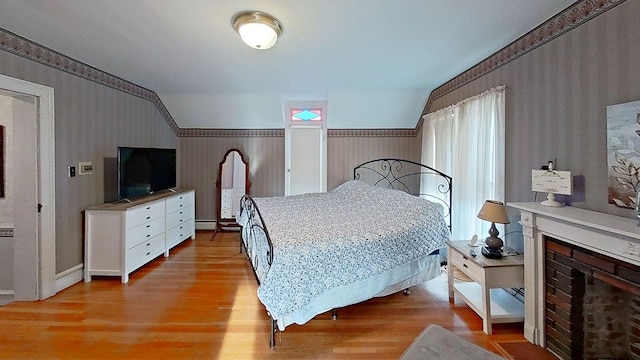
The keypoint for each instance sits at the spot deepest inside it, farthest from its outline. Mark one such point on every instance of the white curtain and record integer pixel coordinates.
(467, 141)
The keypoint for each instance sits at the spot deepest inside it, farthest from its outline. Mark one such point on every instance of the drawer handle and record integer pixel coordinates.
(180, 198)
(180, 205)
(180, 212)
(464, 265)
(148, 253)
(180, 235)
(180, 227)
(148, 226)
(148, 217)
(148, 235)
(148, 207)
(148, 244)
(464, 257)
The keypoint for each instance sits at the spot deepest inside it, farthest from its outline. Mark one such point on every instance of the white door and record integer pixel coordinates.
(306, 171)
(305, 139)
(33, 177)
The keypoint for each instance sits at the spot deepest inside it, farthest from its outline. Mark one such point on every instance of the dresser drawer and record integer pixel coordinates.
(180, 201)
(178, 217)
(144, 232)
(143, 214)
(179, 233)
(144, 252)
(466, 265)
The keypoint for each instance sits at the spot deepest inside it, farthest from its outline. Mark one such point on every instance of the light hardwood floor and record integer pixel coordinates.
(200, 303)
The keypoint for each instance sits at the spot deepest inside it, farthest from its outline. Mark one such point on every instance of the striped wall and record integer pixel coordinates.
(556, 102)
(91, 121)
(201, 155)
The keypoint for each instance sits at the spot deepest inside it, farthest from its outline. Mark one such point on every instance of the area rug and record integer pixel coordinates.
(523, 350)
(436, 343)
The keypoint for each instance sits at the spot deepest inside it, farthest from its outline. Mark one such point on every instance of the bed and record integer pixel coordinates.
(371, 236)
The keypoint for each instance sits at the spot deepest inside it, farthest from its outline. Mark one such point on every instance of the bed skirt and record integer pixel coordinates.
(403, 277)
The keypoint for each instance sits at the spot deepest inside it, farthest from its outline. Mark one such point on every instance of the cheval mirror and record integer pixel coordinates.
(233, 182)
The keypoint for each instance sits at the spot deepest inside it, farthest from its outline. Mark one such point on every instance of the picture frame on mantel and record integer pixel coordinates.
(623, 153)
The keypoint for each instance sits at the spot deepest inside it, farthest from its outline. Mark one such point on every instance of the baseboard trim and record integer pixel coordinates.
(69, 277)
(6, 296)
(76, 274)
(205, 225)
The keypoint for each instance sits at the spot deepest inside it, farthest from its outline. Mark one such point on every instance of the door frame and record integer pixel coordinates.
(289, 124)
(40, 282)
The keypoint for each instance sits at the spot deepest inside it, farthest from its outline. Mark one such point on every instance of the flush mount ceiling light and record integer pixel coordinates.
(258, 30)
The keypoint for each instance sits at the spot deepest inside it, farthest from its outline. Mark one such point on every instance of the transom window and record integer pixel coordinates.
(306, 114)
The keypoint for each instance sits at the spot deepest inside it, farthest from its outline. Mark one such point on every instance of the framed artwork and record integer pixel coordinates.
(1, 161)
(623, 153)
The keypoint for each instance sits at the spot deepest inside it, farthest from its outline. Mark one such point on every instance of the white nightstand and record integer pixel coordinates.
(490, 277)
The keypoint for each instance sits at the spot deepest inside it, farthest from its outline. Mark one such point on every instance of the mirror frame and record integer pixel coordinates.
(223, 223)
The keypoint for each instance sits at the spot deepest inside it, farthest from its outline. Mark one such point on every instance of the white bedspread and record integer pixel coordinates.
(348, 240)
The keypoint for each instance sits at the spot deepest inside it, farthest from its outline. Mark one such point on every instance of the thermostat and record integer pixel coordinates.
(85, 168)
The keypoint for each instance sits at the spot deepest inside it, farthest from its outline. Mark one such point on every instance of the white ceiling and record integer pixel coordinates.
(374, 61)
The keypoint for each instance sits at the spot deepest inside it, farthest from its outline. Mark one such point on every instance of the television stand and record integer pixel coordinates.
(121, 237)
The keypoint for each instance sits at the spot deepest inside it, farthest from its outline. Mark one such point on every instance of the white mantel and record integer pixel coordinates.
(611, 235)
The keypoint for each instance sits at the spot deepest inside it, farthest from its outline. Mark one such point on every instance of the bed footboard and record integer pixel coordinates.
(255, 238)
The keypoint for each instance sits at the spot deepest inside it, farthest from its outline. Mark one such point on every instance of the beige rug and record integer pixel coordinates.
(436, 342)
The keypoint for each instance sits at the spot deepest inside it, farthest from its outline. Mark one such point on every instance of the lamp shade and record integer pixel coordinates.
(257, 30)
(494, 211)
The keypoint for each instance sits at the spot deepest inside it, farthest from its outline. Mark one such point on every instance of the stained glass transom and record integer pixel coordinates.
(306, 114)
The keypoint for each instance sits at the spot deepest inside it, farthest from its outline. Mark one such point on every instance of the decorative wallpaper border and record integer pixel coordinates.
(231, 133)
(30, 50)
(280, 132)
(573, 16)
(371, 132)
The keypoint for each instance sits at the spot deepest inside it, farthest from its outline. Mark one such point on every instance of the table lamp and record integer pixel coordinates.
(496, 212)
(552, 182)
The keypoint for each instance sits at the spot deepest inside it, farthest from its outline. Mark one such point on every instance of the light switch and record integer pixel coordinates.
(72, 171)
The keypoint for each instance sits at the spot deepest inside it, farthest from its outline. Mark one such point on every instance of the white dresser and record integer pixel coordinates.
(121, 237)
(180, 218)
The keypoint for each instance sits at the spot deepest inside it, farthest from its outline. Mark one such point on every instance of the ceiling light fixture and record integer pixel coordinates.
(258, 30)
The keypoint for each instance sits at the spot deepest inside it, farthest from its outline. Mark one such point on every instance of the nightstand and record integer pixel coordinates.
(485, 294)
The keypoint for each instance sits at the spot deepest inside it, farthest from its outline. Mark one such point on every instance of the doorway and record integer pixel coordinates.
(32, 180)
(305, 148)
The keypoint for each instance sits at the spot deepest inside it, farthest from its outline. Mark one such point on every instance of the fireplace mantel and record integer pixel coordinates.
(611, 235)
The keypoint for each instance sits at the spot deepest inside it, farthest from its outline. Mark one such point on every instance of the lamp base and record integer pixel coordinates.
(491, 253)
(551, 201)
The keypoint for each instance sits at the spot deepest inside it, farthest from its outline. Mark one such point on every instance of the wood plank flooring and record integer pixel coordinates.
(200, 303)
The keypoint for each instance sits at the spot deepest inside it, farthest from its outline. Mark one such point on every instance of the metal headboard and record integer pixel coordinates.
(408, 176)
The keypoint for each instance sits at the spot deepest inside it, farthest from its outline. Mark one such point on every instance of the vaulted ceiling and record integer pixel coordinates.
(374, 61)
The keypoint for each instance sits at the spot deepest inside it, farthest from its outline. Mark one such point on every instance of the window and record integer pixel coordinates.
(467, 141)
(298, 114)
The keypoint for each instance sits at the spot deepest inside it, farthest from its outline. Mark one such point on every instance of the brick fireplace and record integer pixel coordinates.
(582, 282)
(592, 304)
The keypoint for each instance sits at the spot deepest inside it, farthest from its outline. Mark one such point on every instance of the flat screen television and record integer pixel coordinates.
(143, 171)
